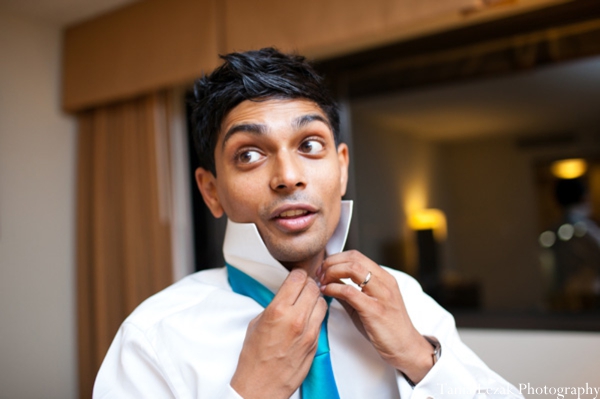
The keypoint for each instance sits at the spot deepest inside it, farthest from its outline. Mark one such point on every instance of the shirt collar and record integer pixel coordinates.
(244, 248)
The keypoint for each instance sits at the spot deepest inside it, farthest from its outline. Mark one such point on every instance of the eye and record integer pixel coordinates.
(311, 146)
(249, 156)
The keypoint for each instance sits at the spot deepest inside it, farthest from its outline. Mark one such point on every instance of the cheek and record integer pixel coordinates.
(329, 181)
(241, 199)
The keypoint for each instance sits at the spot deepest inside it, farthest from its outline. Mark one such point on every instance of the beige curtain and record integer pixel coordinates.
(124, 243)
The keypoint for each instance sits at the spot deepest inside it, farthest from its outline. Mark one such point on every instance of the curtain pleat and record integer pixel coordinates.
(124, 232)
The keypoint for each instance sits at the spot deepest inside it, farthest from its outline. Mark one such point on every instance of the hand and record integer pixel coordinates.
(281, 342)
(380, 309)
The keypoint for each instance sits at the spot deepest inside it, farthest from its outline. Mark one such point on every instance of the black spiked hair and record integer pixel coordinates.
(253, 75)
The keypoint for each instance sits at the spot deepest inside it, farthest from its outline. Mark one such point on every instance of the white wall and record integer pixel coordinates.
(37, 184)
(539, 358)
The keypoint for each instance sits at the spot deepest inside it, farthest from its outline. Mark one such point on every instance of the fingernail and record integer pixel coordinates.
(319, 271)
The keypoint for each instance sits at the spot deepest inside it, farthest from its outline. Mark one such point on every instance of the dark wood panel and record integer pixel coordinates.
(449, 56)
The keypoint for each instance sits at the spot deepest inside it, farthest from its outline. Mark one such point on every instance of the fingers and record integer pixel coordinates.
(318, 314)
(311, 308)
(349, 265)
(359, 301)
(309, 295)
(291, 288)
(356, 267)
(301, 297)
(379, 307)
(354, 271)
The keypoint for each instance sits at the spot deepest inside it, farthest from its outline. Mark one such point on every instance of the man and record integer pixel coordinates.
(576, 278)
(268, 138)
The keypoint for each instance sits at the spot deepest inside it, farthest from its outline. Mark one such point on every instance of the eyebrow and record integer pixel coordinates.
(259, 129)
(254, 128)
(304, 120)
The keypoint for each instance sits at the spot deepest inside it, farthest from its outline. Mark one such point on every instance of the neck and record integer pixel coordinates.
(309, 265)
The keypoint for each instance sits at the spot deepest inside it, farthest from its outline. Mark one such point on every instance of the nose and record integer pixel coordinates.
(288, 173)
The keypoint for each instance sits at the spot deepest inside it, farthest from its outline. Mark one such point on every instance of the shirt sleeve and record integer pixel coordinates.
(459, 373)
(132, 369)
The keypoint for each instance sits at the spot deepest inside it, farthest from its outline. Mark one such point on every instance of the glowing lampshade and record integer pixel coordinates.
(569, 168)
(426, 219)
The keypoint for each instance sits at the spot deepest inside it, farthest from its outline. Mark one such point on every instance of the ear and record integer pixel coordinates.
(344, 161)
(207, 184)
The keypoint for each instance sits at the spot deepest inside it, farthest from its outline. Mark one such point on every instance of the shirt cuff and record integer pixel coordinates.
(448, 378)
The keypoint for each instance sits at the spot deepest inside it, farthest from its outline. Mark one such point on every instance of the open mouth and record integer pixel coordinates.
(294, 220)
(292, 213)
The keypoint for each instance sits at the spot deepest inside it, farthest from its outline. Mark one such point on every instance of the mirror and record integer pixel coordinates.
(481, 152)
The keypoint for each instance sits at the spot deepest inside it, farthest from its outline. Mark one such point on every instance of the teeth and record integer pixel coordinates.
(292, 213)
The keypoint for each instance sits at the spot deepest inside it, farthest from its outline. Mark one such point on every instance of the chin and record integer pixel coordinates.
(296, 250)
(292, 254)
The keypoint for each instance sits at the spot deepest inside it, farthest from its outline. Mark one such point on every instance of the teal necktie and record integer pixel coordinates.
(320, 381)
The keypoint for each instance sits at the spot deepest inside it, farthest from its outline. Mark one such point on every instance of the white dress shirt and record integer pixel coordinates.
(185, 341)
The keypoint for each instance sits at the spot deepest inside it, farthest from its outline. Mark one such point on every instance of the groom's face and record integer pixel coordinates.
(278, 166)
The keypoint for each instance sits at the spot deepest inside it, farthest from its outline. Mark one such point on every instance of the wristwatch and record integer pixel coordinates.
(437, 347)
(437, 352)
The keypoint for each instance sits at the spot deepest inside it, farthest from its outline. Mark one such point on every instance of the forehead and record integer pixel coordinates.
(271, 113)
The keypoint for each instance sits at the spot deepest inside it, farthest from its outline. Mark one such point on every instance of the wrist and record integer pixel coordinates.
(427, 351)
(249, 387)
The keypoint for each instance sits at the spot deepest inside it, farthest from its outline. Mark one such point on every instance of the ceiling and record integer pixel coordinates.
(62, 12)
(557, 99)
